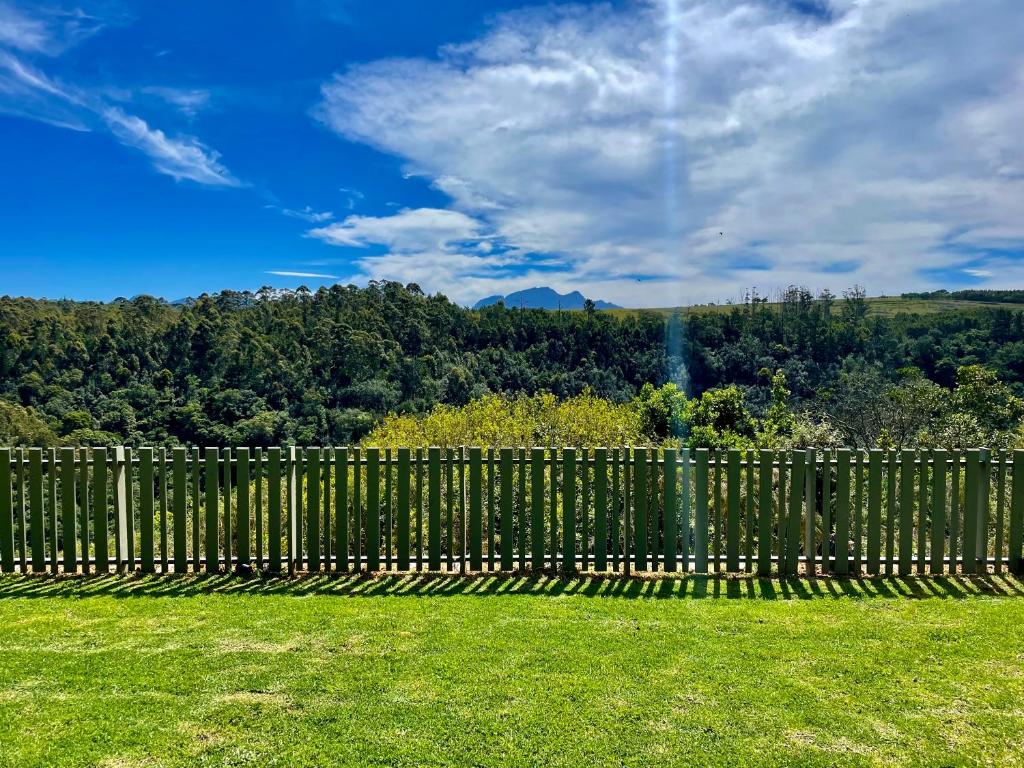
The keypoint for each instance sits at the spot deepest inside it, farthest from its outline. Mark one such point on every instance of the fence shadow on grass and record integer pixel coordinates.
(688, 587)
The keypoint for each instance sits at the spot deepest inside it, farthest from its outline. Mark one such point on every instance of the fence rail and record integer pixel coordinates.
(463, 510)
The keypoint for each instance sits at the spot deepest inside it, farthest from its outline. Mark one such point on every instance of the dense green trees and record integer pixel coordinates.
(325, 367)
(814, 340)
(320, 367)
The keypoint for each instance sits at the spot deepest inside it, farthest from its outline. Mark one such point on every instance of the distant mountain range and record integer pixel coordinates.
(543, 298)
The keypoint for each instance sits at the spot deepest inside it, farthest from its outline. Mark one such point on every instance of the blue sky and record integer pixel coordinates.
(648, 153)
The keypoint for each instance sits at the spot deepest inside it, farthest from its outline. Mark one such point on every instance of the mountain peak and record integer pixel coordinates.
(542, 297)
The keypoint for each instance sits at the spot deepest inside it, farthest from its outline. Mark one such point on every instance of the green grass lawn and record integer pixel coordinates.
(511, 672)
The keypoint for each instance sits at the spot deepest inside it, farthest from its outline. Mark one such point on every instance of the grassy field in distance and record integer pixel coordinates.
(885, 306)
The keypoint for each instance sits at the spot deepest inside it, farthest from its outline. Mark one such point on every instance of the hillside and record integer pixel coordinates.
(879, 306)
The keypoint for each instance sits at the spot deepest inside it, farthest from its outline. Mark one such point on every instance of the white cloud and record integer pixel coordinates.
(28, 91)
(49, 32)
(409, 231)
(706, 145)
(19, 31)
(422, 244)
(286, 273)
(308, 214)
(188, 101)
(352, 197)
(180, 158)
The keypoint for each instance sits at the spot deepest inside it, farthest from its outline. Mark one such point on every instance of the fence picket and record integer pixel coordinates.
(274, 509)
(35, 492)
(162, 495)
(476, 511)
(52, 498)
(600, 486)
(984, 515)
(627, 504)
(748, 513)
(954, 512)
(212, 534)
(1016, 513)
(684, 514)
(782, 523)
(196, 475)
(228, 525)
(462, 512)
(553, 506)
(671, 506)
(640, 507)
(653, 507)
(178, 508)
(101, 511)
(389, 518)
(242, 506)
(507, 550)
(522, 517)
(434, 508)
(449, 499)
(827, 562)
(325, 533)
(842, 561)
(940, 466)
(147, 510)
(811, 511)
(258, 469)
(536, 509)
(7, 513)
(796, 496)
(717, 515)
(67, 485)
(700, 541)
(890, 513)
(312, 506)
(83, 509)
(584, 510)
(373, 510)
(874, 543)
(971, 511)
(732, 532)
(404, 509)
(568, 510)
(22, 524)
(341, 516)
(906, 537)
(764, 515)
(858, 511)
(357, 509)
(922, 510)
(419, 509)
(1000, 510)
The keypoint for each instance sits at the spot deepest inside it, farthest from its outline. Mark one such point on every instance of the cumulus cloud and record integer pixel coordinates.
(677, 150)
(420, 244)
(409, 231)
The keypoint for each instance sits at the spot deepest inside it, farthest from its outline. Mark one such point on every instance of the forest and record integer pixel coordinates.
(345, 364)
